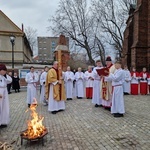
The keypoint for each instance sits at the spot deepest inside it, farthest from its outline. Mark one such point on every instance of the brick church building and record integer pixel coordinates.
(136, 46)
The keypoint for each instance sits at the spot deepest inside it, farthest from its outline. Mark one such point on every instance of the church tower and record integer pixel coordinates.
(136, 46)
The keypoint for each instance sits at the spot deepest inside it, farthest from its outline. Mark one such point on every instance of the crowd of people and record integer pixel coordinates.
(105, 91)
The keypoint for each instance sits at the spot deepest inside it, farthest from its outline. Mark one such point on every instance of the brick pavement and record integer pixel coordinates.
(82, 126)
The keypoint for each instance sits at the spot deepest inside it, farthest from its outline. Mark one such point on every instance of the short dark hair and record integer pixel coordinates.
(118, 62)
(31, 67)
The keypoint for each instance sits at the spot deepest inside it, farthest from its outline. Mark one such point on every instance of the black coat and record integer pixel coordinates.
(15, 83)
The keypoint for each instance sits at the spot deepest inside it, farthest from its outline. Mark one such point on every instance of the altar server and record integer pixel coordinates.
(31, 79)
(96, 99)
(143, 82)
(127, 81)
(42, 83)
(89, 82)
(4, 99)
(117, 79)
(134, 82)
(69, 78)
(79, 77)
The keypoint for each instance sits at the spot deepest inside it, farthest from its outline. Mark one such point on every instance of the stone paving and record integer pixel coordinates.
(82, 126)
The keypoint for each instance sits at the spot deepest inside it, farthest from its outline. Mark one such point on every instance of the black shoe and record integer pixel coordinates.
(60, 110)
(118, 115)
(9, 92)
(79, 97)
(54, 112)
(18, 90)
(70, 98)
(96, 105)
(29, 105)
(125, 93)
(3, 126)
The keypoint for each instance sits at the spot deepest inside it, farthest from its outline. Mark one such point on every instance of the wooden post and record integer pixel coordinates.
(59, 64)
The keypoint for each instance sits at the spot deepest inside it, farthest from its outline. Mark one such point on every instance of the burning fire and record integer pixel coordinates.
(35, 128)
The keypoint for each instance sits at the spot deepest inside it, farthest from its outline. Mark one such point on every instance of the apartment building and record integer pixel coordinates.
(46, 48)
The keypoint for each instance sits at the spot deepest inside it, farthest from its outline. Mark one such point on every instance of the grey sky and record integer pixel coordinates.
(33, 13)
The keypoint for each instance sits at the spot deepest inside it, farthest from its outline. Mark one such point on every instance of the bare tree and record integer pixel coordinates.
(91, 27)
(73, 18)
(31, 35)
(112, 16)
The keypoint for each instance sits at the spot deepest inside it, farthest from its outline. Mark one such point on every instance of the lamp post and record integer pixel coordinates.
(12, 40)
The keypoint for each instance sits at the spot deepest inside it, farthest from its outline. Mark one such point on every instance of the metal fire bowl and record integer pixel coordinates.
(33, 139)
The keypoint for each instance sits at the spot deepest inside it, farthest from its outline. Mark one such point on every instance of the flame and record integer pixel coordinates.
(35, 127)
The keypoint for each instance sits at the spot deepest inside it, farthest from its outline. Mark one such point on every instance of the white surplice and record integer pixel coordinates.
(42, 83)
(31, 79)
(79, 77)
(96, 99)
(4, 101)
(127, 81)
(69, 78)
(117, 98)
(88, 81)
(54, 105)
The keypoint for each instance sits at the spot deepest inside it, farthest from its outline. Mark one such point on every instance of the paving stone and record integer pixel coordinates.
(82, 126)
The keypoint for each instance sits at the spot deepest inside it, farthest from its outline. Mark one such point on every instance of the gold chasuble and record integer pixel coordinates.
(58, 89)
(106, 87)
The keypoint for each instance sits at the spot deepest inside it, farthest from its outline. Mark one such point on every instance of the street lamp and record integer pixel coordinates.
(12, 40)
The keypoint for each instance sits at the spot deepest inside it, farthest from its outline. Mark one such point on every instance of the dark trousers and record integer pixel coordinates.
(8, 87)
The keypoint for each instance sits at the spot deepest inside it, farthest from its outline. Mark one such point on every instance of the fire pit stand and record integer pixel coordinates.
(40, 138)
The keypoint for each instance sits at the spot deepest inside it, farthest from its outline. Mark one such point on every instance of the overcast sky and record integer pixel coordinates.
(33, 13)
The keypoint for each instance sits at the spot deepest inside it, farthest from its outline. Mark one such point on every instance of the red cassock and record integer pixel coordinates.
(89, 90)
(143, 83)
(134, 83)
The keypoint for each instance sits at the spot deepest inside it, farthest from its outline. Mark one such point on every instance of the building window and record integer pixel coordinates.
(53, 43)
(44, 48)
(44, 54)
(52, 49)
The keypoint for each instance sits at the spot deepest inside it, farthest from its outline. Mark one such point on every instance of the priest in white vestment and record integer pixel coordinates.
(4, 99)
(69, 78)
(42, 83)
(31, 78)
(127, 81)
(117, 79)
(55, 90)
(96, 99)
(79, 77)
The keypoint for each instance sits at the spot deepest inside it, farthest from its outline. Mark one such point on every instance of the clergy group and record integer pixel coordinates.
(56, 86)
